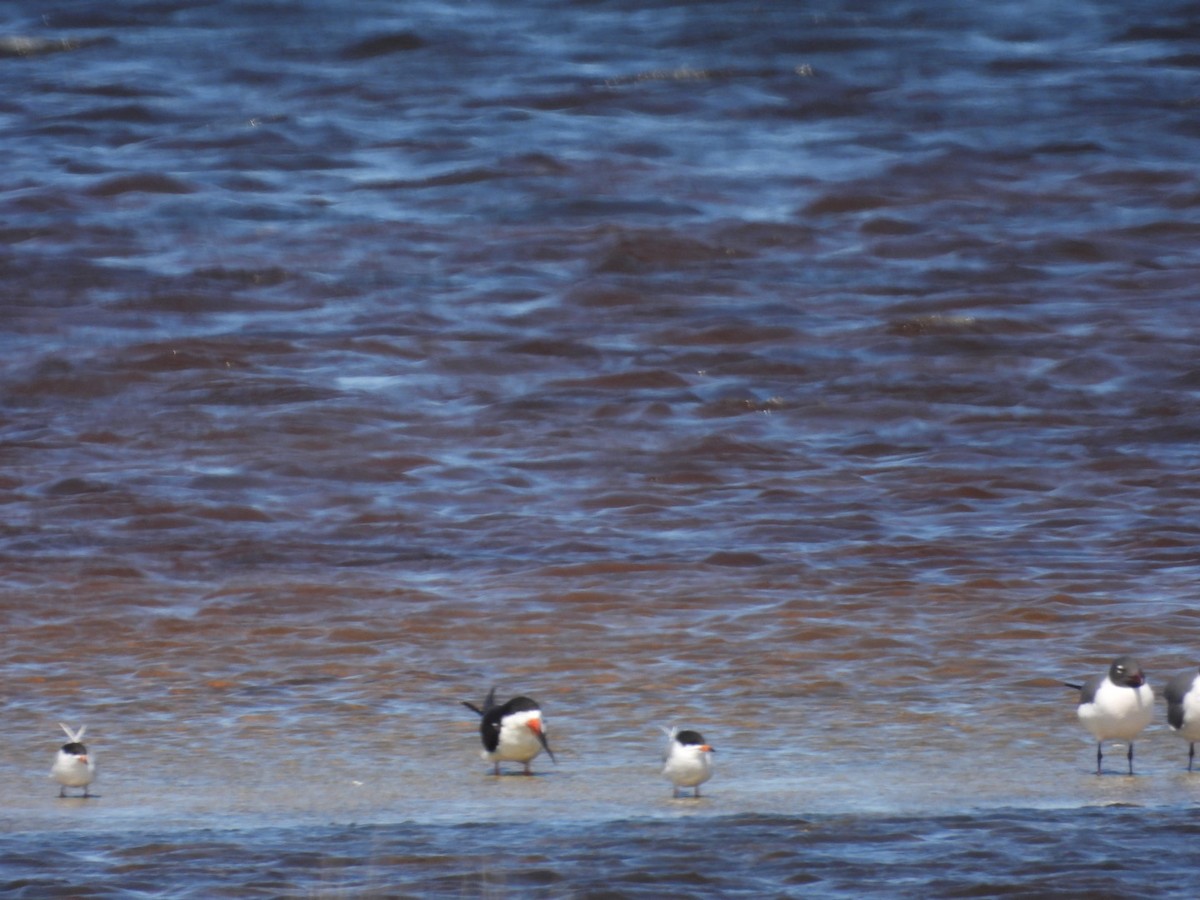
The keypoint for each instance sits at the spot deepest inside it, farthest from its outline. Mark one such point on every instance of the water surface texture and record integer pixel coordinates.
(822, 376)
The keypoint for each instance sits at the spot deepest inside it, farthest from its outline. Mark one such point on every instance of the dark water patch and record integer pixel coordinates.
(98, 16)
(384, 45)
(652, 380)
(739, 405)
(545, 347)
(243, 184)
(148, 183)
(736, 559)
(116, 90)
(448, 179)
(255, 391)
(590, 209)
(185, 302)
(651, 251)
(845, 203)
(127, 113)
(1068, 148)
(266, 140)
(246, 277)
(19, 235)
(1181, 60)
(74, 486)
(890, 226)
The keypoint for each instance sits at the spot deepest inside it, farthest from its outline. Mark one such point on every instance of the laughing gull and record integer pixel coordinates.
(1115, 706)
(1183, 709)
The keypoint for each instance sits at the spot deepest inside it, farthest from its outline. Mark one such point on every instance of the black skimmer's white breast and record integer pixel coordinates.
(1115, 706)
(511, 732)
(72, 766)
(1183, 709)
(688, 760)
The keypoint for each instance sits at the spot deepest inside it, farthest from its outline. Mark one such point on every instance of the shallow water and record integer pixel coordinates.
(822, 377)
(1082, 853)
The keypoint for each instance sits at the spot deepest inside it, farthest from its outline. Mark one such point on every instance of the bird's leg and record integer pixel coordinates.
(85, 791)
(1191, 754)
(1131, 757)
(697, 792)
(1099, 756)
(528, 771)
(496, 769)
(62, 791)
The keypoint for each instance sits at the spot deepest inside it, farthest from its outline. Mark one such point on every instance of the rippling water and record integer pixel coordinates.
(820, 376)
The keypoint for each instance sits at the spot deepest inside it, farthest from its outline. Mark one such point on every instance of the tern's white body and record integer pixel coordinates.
(1117, 713)
(518, 738)
(73, 770)
(685, 764)
(73, 766)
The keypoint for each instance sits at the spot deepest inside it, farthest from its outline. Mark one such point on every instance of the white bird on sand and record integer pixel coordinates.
(1183, 709)
(72, 766)
(1115, 706)
(512, 731)
(687, 762)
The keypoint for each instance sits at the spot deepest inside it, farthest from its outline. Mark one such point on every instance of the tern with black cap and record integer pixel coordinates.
(72, 766)
(687, 762)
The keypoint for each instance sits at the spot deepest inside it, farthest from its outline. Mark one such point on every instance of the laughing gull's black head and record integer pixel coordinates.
(1126, 672)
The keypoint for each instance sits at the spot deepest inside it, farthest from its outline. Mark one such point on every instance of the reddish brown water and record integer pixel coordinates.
(824, 379)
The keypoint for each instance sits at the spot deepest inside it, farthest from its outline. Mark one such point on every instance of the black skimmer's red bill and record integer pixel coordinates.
(512, 732)
(1115, 706)
(72, 766)
(688, 760)
(1183, 709)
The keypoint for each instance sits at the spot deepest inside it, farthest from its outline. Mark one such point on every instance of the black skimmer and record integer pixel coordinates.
(511, 732)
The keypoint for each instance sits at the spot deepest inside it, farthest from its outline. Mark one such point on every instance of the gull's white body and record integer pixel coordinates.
(1116, 706)
(1183, 709)
(1185, 694)
(1117, 713)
